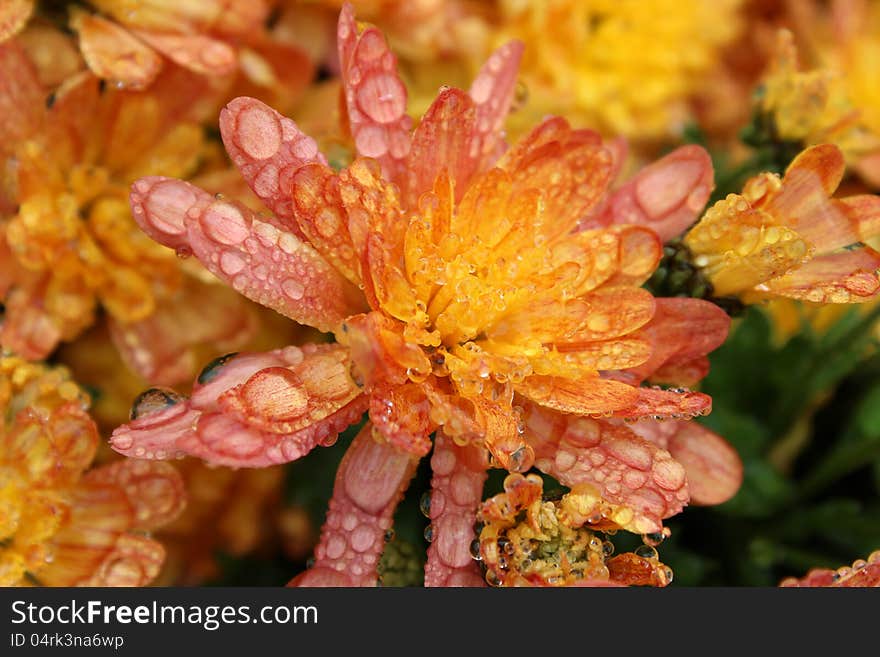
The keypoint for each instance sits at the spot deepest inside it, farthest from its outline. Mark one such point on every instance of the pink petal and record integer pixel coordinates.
(456, 494)
(492, 91)
(714, 469)
(370, 482)
(375, 95)
(628, 470)
(196, 52)
(667, 195)
(270, 266)
(267, 148)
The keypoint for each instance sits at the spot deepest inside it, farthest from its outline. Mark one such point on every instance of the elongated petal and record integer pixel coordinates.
(493, 90)
(400, 415)
(667, 196)
(267, 148)
(375, 95)
(628, 470)
(134, 561)
(248, 410)
(863, 212)
(370, 482)
(681, 332)
(456, 494)
(714, 469)
(113, 53)
(196, 52)
(862, 573)
(844, 277)
(655, 403)
(266, 264)
(582, 397)
(21, 97)
(445, 139)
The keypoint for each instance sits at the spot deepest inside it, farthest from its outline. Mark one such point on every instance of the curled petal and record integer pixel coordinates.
(456, 493)
(267, 148)
(843, 277)
(134, 561)
(628, 471)
(114, 53)
(370, 482)
(271, 266)
(196, 52)
(666, 196)
(28, 330)
(154, 490)
(375, 95)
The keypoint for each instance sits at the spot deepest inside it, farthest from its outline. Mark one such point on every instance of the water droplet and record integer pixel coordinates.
(607, 548)
(429, 533)
(425, 504)
(153, 400)
(388, 536)
(645, 552)
(475, 550)
(293, 289)
(183, 252)
(211, 370)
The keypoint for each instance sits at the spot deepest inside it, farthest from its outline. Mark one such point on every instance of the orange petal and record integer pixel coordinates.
(628, 470)
(400, 415)
(196, 52)
(680, 332)
(444, 139)
(587, 396)
(155, 490)
(235, 245)
(134, 561)
(113, 53)
(21, 97)
(13, 16)
(714, 469)
(863, 573)
(667, 195)
(163, 348)
(863, 212)
(375, 95)
(279, 71)
(456, 494)
(845, 277)
(492, 91)
(640, 252)
(370, 482)
(571, 167)
(267, 148)
(657, 404)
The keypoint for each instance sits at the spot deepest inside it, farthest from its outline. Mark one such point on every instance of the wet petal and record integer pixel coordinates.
(456, 493)
(370, 482)
(862, 573)
(196, 52)
(13, 16)
(845, 277)
(270, 266)
(267, 148)
(113, 53)
(400, 415)
(655, 403)
(375, 95)
(714, 469)
(21, 96)
(667, 195)
(628, 470)
(580, 396)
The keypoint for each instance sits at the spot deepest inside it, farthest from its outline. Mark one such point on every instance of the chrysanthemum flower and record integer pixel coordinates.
(128, 42)
(786, 237)
(68, 241)
(61, 524)
(862, 573)
(464, 302)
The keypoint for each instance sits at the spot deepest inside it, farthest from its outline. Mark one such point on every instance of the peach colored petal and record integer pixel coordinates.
(270, 266)
(444, 140)
(714, 469)
(375, 95)
(196, 52)
(134, 561)
(628, 470)
(583, 397)
(280, 70)
(667, 195)
(492, 91)
(13, 16)
(162, 349)
(21, 97)
(458, 475)
(845, 277)
(863, 573)
(657, 404)
(400, 415)
(640, 251)
(154, 490)
(370, 482)
(267, 148)
(27, 329)
(113, 53)
(681, 332)
(863, 212)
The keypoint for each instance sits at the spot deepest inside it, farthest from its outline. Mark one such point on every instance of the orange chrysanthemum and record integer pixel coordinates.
(786, 237)
(486, 297)
(61, 525)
